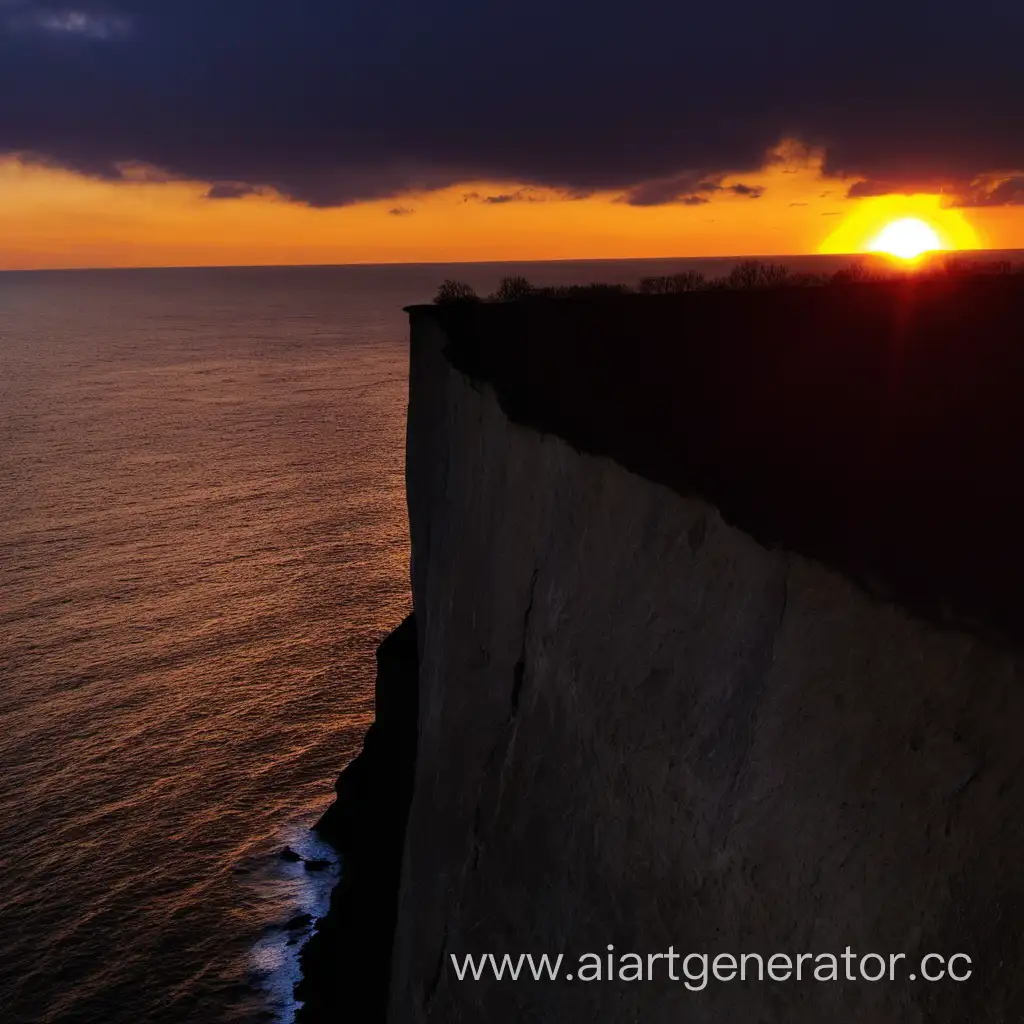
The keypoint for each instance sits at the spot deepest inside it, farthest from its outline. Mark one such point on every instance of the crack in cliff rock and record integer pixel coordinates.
(518, 677)
(435, 980)
(750, 692)
(519, 670)
(517, 684)
(477, 842)
(697, 534)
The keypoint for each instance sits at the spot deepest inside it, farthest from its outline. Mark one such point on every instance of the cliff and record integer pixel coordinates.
(346, 963)
(718, 620)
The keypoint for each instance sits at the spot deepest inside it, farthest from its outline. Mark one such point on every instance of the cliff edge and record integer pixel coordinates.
(718, 618)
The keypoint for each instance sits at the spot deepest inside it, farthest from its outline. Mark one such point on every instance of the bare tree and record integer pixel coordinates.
(455, 291)
(510, 289)
(755, 274)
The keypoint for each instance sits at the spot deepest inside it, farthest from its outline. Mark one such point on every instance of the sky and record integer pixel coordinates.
(194, 132)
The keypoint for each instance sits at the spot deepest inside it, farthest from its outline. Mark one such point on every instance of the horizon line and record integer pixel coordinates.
(464, 263)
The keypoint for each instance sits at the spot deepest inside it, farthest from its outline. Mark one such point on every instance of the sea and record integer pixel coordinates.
(203, 537)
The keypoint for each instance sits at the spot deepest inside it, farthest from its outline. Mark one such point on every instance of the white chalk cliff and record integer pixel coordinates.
(639, 725)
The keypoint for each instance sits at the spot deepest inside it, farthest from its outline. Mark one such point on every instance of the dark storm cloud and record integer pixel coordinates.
(907, 186)
(1007, 191)
(982, 190)
(870, 187)
(520, 195)
(228, 190)
(691, 189)
(330, 103)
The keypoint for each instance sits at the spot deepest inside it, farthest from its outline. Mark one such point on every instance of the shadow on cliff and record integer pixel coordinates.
(347, 962)
(873, 425)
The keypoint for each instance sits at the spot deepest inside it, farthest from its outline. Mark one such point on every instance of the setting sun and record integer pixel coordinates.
(907, 238)
(903, 226)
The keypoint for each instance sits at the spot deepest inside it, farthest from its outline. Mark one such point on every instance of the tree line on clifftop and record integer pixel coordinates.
(747, 274)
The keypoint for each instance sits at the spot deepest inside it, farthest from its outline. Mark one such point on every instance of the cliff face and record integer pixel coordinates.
(640, 725)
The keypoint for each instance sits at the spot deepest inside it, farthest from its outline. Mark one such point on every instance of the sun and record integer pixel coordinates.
(906, 238)
(905, 227)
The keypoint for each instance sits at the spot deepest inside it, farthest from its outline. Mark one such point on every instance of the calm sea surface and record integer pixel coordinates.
(202, 539)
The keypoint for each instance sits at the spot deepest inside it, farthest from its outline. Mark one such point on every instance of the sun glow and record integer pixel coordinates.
(905, 227)
(57, 218)
(906, 238)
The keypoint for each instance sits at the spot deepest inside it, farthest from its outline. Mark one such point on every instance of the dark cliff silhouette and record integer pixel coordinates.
(346, 964)
(872, 424)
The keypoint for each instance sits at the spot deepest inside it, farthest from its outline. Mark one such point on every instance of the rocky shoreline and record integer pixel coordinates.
(347, 960)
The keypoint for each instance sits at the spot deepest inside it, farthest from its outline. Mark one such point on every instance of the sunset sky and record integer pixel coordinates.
(139, 132)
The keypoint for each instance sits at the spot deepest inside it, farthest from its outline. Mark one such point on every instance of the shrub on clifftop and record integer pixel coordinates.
(455, 291)
(744, 276)
(512, 288)
(754, 274)
(672, 284)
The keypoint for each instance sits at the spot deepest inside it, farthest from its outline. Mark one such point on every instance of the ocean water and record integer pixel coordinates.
(202, 539)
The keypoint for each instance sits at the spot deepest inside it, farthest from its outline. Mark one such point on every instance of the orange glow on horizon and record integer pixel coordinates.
(906, 227)
(53, 218)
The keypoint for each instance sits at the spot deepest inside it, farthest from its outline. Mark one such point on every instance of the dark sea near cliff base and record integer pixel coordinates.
(202, 539)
